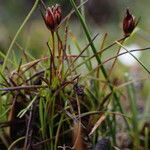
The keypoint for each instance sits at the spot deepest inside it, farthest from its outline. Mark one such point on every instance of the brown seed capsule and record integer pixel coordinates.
(128, 23)
(57, 14)
(53, 17)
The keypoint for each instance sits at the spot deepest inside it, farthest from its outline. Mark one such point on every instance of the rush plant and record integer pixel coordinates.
(63, 101)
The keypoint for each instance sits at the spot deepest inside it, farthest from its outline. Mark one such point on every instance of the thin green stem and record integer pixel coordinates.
(95, 52)
(15, 142)
(134, 57)
(18, 32)
(133, 104)
(82, 9)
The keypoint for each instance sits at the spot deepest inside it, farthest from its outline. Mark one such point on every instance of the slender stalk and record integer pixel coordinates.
(113, 64)
(95, 51)
(18, 32)
(146, 139)
(17, 88)
(82, 9)
(58, 131)
(107, 60)
(53, 52)
(15, 142)
(134, 112)
(134, 57)
(104, 72)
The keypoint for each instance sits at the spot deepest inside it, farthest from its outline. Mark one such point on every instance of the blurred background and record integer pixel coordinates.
(102, 16)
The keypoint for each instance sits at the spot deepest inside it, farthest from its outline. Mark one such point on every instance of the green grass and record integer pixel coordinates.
(66, 100)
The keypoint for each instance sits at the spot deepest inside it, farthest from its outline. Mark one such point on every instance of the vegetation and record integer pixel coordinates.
(66, 101)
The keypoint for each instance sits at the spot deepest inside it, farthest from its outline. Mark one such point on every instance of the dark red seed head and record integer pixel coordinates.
(53, 17)
(49, 19)
(57, 14)
(128, 23)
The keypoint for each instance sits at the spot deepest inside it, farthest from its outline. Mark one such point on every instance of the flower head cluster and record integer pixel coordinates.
(53, 17)
(128, 23)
